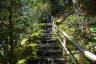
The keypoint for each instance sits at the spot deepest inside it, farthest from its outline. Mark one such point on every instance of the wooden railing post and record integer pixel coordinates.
(54, 27)
(81, 58)
(64, 42)
(52, 61)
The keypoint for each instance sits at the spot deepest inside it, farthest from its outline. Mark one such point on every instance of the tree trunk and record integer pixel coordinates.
(11, 44)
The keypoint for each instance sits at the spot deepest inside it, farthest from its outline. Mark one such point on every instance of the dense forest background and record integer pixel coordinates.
(20, 25)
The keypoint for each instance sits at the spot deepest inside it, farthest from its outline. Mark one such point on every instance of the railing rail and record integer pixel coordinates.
(67, 51)
(83, 52)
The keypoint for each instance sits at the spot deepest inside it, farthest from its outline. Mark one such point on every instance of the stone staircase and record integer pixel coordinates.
(49, 51)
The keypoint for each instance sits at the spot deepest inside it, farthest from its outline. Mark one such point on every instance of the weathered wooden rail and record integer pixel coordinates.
(82, 52)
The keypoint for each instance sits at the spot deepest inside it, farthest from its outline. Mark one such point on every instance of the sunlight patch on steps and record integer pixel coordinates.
(58, 19)
(22, 61)
(23, 41)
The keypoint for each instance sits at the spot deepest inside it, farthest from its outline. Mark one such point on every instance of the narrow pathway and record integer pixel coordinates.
(49, 50)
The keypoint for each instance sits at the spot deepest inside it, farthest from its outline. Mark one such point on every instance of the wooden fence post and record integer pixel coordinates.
(64, 41)
(81, 58)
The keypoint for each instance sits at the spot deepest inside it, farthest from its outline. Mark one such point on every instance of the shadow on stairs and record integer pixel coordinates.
(49, 51)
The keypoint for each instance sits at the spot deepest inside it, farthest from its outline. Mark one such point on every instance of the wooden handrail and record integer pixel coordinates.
(77, 45)
(67, 51)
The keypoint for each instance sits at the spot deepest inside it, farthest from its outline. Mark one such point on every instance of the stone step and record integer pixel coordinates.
(60, 60)
(47, 35)
(50, 51)
(47, 32)
(55, 58)
(48, 26)
(51, 41)
(48, 41)
(44, 37)
(48, 29)
(45, 54)
(48, 46)
(43, 60)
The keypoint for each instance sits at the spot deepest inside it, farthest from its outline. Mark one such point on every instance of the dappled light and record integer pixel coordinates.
(47, 32)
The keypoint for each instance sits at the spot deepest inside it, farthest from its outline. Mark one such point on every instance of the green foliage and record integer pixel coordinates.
(24, 16)
(89, 6)
(75, 26)
(73, 19)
